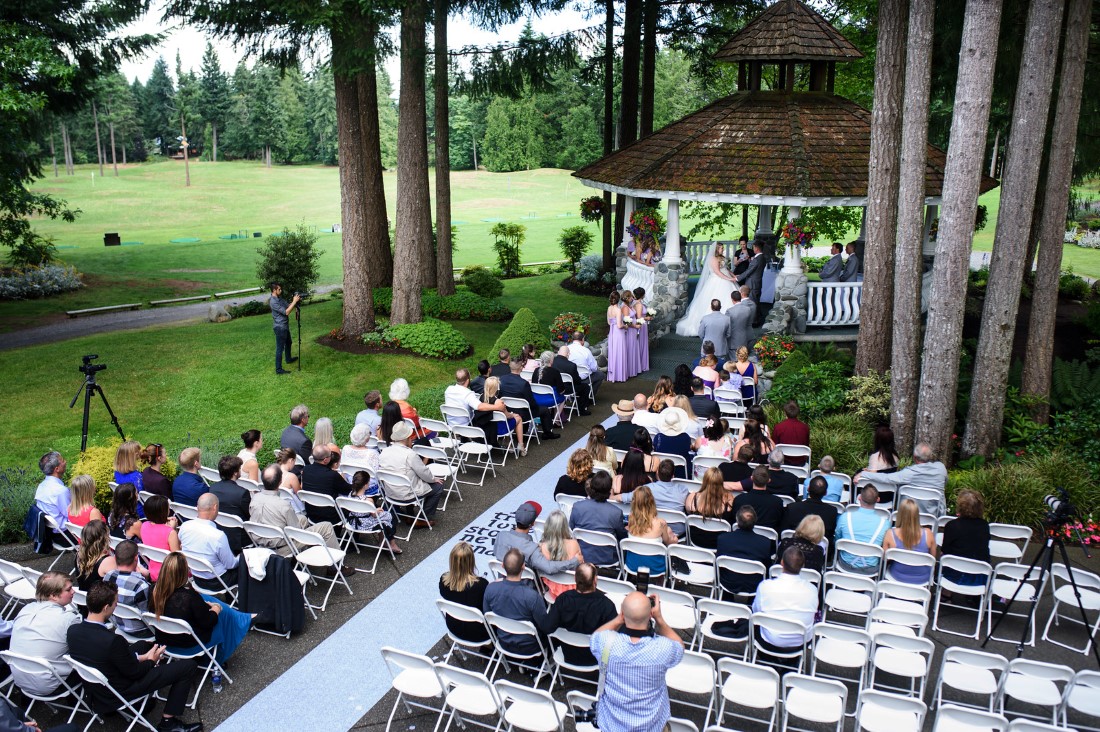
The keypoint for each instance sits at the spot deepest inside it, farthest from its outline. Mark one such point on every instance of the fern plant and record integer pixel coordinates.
(1073, 383)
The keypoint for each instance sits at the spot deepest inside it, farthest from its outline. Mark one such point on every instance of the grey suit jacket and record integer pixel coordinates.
(740, 317)
(832, 270)
(714, 327)
(753, 276)
(851, 270)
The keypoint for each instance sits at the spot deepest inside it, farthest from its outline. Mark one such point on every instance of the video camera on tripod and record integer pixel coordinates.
(88, 368)
(1060, 510)
(89, 387)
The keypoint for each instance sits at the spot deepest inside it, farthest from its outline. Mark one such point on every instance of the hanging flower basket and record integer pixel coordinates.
(800, 236)
(593, 208)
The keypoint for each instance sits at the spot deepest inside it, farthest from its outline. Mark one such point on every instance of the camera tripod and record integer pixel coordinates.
(89, 386)
(1044, 560)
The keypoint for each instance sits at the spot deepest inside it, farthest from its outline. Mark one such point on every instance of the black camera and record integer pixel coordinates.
(88, 368)
(586, 715)
(1060, 510)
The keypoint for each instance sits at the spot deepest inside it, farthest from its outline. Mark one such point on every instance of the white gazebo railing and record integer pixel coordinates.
(833, 303)
(639, 275)
(694, 254)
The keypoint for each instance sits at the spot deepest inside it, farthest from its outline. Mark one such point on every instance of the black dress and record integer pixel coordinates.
(188, 605)
(473, 596)
(812, 553)
(85, 582)
(570, 487)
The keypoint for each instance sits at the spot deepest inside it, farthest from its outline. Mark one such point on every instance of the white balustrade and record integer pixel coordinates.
(833, 303)
(639, 275)
(694, 254)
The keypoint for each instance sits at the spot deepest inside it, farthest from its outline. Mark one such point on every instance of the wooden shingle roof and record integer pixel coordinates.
(799, 145)
(788, 31)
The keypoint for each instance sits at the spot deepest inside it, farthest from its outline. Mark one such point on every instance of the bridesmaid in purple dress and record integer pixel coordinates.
(617, 366)
(640, 312)
(631, 333)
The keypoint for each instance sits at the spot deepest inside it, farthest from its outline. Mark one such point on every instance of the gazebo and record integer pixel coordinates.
(796, 145)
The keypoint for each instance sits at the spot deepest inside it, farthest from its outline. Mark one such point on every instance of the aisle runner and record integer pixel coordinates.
(344, 676)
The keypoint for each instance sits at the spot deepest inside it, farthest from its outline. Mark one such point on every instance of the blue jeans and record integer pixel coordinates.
(282, 344)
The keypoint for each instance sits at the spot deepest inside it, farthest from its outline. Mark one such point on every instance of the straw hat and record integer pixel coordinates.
(673, 422)
(625, 408)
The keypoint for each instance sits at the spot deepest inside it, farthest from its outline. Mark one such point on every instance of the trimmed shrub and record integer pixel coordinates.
(845, 437)
(35, 282)
(17, 486)
(290, 258)
(574, 242)
(869, 398)
(819, 389)
(794, 363)
(482, 282)
(1014, 491)
(432, 338)
(247, 309)
(98, 461)
(462, 305)
(523, 329)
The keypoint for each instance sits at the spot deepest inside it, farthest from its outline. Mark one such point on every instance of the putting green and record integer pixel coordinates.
(185, 240)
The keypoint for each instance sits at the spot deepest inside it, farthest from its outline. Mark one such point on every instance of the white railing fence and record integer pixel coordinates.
(694, 254)
(833, 303)
(639, 275)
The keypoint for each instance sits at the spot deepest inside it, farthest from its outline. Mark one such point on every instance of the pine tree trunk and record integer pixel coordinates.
(649, 64)
(358, 294)
(124, 154)
(909, 260)
(186, 158)
(214, 128)
(1006, 269)
(98, 146)
(628, 104)
(444, 275)
(53, 154)
(1044, 300)
(377, 225)
(413, 206)
(962, 177)
(67, 144)
(877, 314)
(609, 243)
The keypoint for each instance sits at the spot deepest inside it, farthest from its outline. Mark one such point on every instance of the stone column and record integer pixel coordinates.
(672, 233)
(792, 258)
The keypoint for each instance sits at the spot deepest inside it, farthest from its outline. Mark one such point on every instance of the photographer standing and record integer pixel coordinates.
(280, 310)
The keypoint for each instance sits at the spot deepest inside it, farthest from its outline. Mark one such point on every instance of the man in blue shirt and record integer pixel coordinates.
(836, 485)
(866, 525)
(280, 310)
(515, 599)
(52, 496)
(596, 514)
(189, 485)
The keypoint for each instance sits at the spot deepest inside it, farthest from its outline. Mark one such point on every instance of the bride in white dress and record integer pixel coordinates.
(715, 283)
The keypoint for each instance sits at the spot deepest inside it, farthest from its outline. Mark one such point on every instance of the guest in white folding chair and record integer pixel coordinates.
(635, 650)
(132, 671)
(788, 596)
(558, 545)
(515, 599)
(188, 485)
(82, 509)
(925, 472)
(287, 459)
(835, 488)
(250, 462)
(585, 362)
(373, 518)
(807, 539)
(357, 453)
(577, 473)
(620, 436)
(205, 539)
(322, 476)
(51, 496)
(514, 423)
(232, 499)
(813, 505)
(399, 459)
(461, 396)
(908, 534)
(40, 630)
(372, 401)
(792, 431)
(152, 478)
(477, 384)
(520, 538)
(134, 590)
(596, 514)
(268, 507)
(582, 609)
(159, 530)
(666, 494)
(461, 584)
(644, 523)
(643, 417)
(967, 536)
(865, 525)
(743, 543)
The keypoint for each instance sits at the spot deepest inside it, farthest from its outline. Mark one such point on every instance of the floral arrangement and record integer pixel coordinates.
(592, 208)
(566, 324)
(802, 236)
(1088, 531)
(646, 226)
(773, 350)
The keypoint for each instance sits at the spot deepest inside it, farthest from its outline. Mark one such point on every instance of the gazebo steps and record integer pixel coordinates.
(817, 334)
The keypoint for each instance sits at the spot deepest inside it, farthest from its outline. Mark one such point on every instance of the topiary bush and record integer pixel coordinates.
(98, 461)
(794, 363)
(482, 282)
(432, 338)
(844, 436)
(17, 486)
(820, 389)
(523, 329)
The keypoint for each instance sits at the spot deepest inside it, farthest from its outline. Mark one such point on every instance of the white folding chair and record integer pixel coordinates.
(198, 564)
(920, 560)
(861, 558)
(674, 518)
(522, 410)
(702, 463)
(1011, 580)
(898, 622)
(902, 596)
(185, 512)
(718, 611)
(767, 532)
(744, 570)
(210, 475)
(847, 595)
(1030, 725)
(1008, 541)
(1034, 683)
(967, 566)
(530, 709)
(63, 540)
(459, 613)
(778, 626)
(572, 406)
(940, 523)
(950, 718)
(248, 484)
(414, 678)
(392, 484)
(347, 506)
(317, 555)
(442, 470)
(17, 588)
(1065, 603)
(704, 531)
(844, 649)
(643, 549)
(496, 569)
(616, 589)
(536, 661)
(578, 643)
(882, 712)
(473, 453)
(751, 686)
(565, 502)
(468, 694)
(796, 451)
(201, 653)
(975, 673)
(699, 567)
(580, 704)
(546, 390)
(816, 700)
(43, 669)
(678, 609)
(695, 676)
(904, 657)
(129, 709)
(1082, 696)
(129, 613)
(679, 461)
(600, 539)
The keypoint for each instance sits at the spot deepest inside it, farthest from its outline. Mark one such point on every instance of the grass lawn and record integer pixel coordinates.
(183, 385)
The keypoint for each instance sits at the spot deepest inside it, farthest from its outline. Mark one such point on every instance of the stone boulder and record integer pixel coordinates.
(218, 313)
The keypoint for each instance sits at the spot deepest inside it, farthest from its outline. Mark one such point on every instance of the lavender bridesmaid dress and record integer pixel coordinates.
(643, 344)
(631, 343)
(617, 364)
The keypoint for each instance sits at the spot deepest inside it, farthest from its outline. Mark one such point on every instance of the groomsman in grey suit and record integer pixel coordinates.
(748, 302)
(715, 327)
(834, 267)
(740, 317)
(851, 267)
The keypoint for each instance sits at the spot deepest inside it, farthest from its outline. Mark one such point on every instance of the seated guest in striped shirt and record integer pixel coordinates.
(133, 589)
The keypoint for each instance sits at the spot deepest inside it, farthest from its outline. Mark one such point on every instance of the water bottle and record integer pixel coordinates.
(216, 681)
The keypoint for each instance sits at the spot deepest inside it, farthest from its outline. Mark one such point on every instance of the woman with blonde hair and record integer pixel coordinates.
(658, 400)
(82, 508)
(323, 435)
(577, 473)
(93, 557)
(514, 423)
(461, 584)
(558, 545)
(746, 369)
(602, 455)
(712, 500)
(126, 464)
(908, 534)
(707, 370)
(807, 538)
(645, 524)
(693, 428)
(213, 621)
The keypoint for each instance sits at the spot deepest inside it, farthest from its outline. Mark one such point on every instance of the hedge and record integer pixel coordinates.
(463, 305)
(523, 329)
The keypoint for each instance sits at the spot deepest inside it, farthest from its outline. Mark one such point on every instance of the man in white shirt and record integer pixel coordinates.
(643, 417)
(790, 597)
(52, 496)
(585, 362)
(203, 538)
(40, 631)
(399, 458)
(460, 396)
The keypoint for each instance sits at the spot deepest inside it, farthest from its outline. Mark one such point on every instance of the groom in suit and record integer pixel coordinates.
(753, 276)
(740, 317)
(714, 327)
